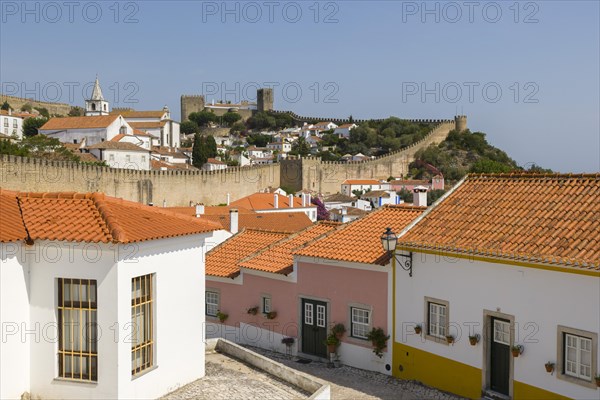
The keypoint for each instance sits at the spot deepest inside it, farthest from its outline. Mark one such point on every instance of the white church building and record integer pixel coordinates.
(100, 298)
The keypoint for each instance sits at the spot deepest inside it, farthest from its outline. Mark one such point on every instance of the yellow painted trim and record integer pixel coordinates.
(570, 270)
(523, 391)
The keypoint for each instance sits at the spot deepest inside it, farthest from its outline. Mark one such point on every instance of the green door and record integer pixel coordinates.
(314, 327)
(500, 356)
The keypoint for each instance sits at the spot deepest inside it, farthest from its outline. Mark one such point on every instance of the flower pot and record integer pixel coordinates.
(549, 368)
(450, 339)
(598, 382)
(418, 330)
(473, 341)
(516, 353)
(331, 348)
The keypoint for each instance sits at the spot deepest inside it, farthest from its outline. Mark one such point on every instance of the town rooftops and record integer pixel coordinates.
(265, 201)
(338, 198)
(278, 258)
(89, 217)
(410, 182)
(536, 218)
(88, 122)
(361, 182)
(215, 161)
(148, 124)
(352, 211)
(378, 193)
(124, 146)
(359, 241)
(222, 261)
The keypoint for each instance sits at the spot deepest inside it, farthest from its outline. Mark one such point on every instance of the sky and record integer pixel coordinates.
(525, 73)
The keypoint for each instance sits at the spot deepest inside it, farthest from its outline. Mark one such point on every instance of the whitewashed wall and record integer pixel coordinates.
(540, 300)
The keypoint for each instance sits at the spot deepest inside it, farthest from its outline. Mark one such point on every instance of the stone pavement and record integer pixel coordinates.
(229, 379)
(348, 383)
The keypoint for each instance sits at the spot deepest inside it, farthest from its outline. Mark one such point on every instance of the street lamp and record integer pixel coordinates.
(389, 240)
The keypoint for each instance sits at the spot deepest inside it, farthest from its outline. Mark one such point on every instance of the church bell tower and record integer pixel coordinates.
(96, 105)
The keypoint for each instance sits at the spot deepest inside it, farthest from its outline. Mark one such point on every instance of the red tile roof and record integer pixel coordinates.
(138, 114)
(265, 201)
(278, 258)
(361, 182)
(110, 145)
(222, 261)
(359, 241)
(11, 223)
(93, 217)
(79, 122)
(549, 219)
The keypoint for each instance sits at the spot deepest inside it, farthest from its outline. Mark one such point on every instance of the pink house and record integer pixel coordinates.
(273, 286)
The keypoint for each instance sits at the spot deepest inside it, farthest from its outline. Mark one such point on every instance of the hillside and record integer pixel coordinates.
(462, 153)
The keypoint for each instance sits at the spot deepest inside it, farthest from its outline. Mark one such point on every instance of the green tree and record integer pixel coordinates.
(300, 147)
(487, 166)
(26, 107)
(202, 118)
(198, 151)
(231, 117)
(5, 106)
(405, 195)
(211, 147)
(188, 127)
(262, 120)
(43, 112)
(258, 140)
(31, 125)
(76, 111)
(237, 128)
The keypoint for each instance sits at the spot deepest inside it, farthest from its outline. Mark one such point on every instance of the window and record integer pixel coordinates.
(6, 122)
(141, 321)
(437, 318)
(143, 159)
(77, 329)
(93, 107)
(74, 141)
(212, 303)
(266, 304)
(14, 123)
(128, 158)
(361, 321)
(308, 313)
(111, 157)
(577, 352)
(321, 316)
(502, 332)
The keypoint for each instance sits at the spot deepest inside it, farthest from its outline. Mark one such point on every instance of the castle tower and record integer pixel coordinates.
(96, 105)
(264, 99)
(460, 123)
(190, 104)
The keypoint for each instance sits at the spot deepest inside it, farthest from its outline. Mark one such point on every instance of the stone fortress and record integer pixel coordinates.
(178, 188)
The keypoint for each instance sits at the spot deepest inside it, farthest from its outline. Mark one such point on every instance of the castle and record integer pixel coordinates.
(197, 103)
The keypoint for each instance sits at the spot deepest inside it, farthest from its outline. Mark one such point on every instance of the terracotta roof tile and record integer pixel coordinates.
(79, 122)
(11, 222)
(359, 241)
(361, 182)
(278, 258)
(110, 145)
(338, 197)
(138, 114)
(222, 261)
(264, 201)
(551, 219)
(94, 217)
(147, 125)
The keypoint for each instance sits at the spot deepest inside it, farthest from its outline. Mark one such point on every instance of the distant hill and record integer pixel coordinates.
(462, 153)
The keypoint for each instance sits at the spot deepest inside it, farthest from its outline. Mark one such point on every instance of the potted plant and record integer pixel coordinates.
(549, 367)
(338, 330)
(222, 316)
(288, 341)
(517, 350)
(271, 315)
(332, 343)
(597, 378)
(253, 310)
(418, 329)
(378, 338)
(449, 339)
(474, 339)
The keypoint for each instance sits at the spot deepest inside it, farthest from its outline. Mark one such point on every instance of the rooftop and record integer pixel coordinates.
(544, 218)
(359, 241)
(138, 114)
(338, 197)
(265, 201)
(88, 122)
(89, 217)
(361, 182)
(110, 145)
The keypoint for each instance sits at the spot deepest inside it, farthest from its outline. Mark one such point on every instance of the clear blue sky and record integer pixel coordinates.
(375, 58)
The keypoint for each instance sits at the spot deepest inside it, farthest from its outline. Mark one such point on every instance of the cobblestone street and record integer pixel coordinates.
(229, 379)
(353, 383)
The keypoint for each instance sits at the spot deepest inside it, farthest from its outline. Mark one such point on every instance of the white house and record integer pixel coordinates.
(344, 130)
(276, 203)
(120, 154)
(364, 185)
(511, 261)
(158, 123)
(214, 165)
(325, 125)
(282, 146)
(259, 152)
(99, 297)
(346, 214)
(92, 129)
(11, 125)
(379, 198)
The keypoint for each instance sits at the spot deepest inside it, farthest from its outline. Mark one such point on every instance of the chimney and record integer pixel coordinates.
(228, 198)
(420, 196)
(303, 199)
(233, 220)
(9, 111)
(199, 210)
(291, 197)
(344, 210)
(275, 200)
(308, 203)
(164, 203)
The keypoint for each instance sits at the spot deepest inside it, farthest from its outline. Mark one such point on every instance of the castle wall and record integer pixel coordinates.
(190, 104)
(53, 108)
(177, 188)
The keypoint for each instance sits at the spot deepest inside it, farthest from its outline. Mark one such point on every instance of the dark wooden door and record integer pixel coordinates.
(314, 327)
(500, 356)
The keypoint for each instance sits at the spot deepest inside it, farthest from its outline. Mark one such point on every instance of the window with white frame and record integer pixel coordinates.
(212, 303)
(266, 304)
(577, 356)
(360, 322)
(142, 321)
(437, 318)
